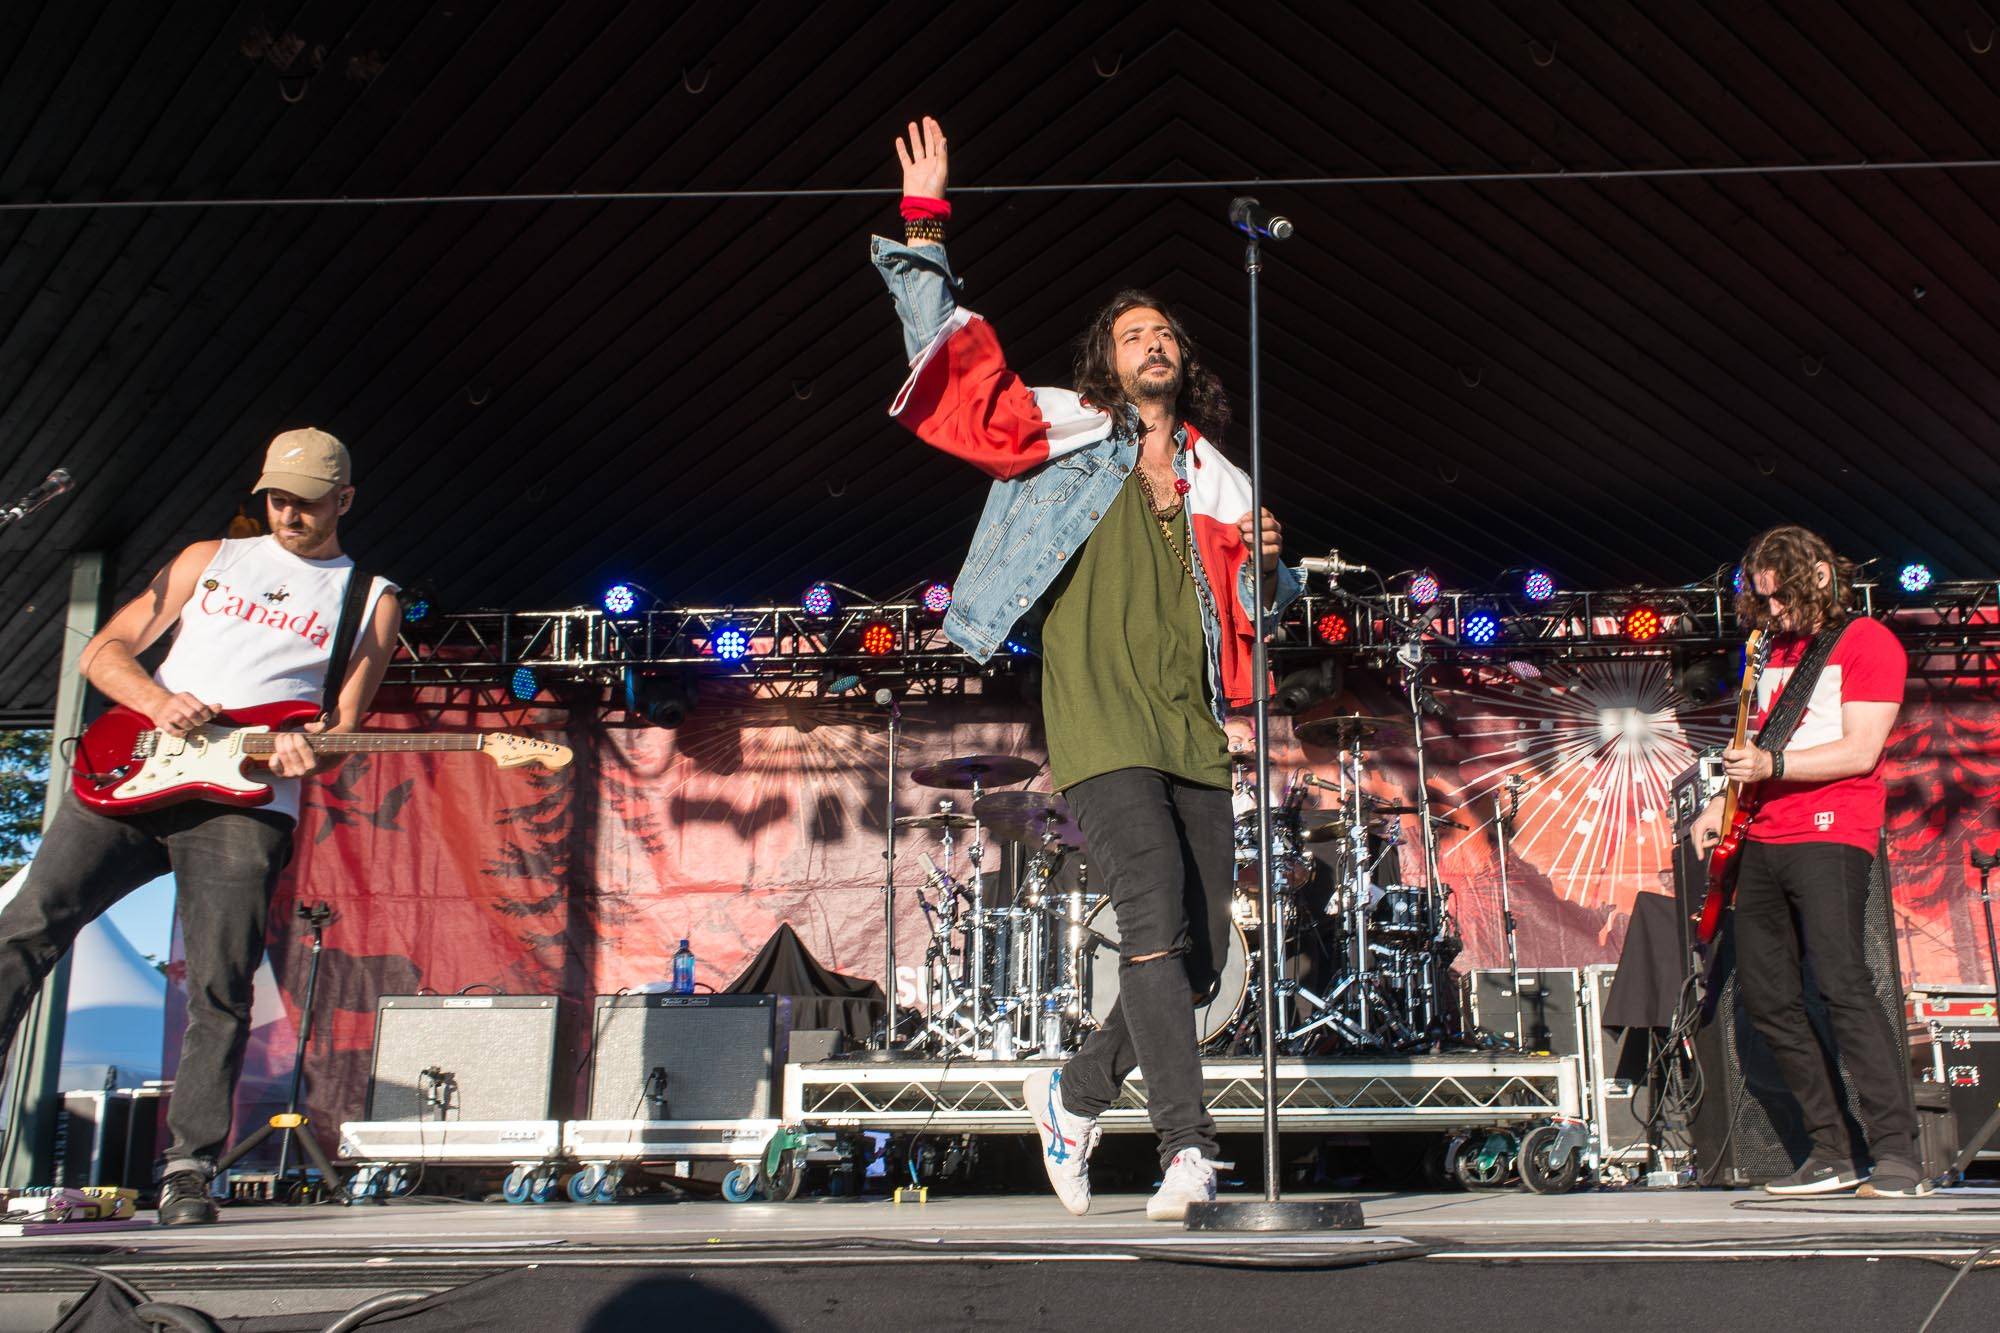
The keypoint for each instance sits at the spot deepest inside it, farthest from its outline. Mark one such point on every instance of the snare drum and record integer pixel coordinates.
(1402, 912)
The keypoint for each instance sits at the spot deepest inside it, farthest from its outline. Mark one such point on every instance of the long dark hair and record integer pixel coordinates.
(1201, 401)
(1792, 554)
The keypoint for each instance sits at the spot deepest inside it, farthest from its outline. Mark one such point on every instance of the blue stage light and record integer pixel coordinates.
(417, 611)
(1481, 628)
(819, 600)
(1424, 588)
(620, 598)
(730, 642)
(525, 685)
(1736, 581)
(1916, 577)
(1538, 586)
(1018, 649)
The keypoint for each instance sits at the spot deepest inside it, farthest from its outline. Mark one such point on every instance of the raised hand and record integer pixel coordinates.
(923, 159)
(1274, 537)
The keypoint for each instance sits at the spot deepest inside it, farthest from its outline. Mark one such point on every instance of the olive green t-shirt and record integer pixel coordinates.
(1124, 660)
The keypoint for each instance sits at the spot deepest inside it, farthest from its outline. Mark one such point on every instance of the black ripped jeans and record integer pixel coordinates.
(225, 862)
(1162, 848)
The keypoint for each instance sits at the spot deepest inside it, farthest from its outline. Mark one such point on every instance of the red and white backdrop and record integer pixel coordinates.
(445, 872)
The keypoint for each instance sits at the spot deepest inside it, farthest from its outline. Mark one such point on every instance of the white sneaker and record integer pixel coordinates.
(1067, 1140)
(1190, 1179)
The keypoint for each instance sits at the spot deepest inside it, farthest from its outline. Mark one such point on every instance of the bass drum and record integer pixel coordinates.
(1210, 1020)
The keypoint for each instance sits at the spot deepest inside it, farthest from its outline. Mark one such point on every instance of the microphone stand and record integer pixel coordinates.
(1984, 863)
(889, 886)
(1270, 1214)
(1503, 821)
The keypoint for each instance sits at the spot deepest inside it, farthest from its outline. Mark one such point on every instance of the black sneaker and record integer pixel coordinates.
(184, 1200)
(1896, 1178)
(1818, 1176)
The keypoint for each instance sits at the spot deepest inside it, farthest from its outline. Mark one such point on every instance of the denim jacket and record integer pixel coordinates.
(1034, 522)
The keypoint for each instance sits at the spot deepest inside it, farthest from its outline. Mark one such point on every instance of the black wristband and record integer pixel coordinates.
(1777, 766)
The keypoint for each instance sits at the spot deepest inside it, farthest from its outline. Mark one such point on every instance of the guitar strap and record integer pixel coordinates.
(358, 584)
(1790, 707)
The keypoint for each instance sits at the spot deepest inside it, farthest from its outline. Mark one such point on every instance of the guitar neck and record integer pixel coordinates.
(370, 742)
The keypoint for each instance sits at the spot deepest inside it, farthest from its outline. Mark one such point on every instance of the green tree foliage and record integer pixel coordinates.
(24, 776)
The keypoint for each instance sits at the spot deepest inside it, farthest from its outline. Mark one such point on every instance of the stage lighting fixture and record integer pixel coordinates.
(1301, 689)
(1643, 624)
(731, 643)
(878, 638)
(1019, 649)
(1481, 627)
(620, 598)
(1333, 628)
(1704, 678)
(525, 685)
(839, 681)
(819, 600)
(1538, 586)
(1424, 588)
(664, 701)
(1915, 577)
(937, 598)
(417, 611)
(1736, 581)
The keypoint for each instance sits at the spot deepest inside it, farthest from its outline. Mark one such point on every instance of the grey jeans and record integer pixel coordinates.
(225, 862)
(1162, 848)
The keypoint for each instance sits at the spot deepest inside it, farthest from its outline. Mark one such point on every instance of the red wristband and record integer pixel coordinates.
(917, 207)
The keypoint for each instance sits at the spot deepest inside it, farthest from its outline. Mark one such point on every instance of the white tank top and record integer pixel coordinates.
(258, 629)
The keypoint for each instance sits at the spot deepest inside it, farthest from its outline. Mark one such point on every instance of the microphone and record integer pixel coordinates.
(1253, 219)
(53, 485)
(1330, 565)
(885, 697)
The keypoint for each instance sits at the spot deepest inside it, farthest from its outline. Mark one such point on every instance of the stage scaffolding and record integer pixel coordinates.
(1951, 629)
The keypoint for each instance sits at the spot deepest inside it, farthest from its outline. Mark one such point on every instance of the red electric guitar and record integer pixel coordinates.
(123, 764)
(1739, 803)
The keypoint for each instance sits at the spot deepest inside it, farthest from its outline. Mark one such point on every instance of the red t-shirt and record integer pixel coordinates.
(1868, 665)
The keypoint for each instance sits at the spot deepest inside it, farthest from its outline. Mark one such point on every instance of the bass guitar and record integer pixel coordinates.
(123, 764)
(1739, 801)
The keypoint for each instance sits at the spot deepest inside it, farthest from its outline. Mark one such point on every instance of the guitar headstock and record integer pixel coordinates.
(509, 751)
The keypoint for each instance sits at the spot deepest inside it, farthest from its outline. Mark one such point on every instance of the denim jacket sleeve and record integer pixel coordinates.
(921, 281)
(1287, 584)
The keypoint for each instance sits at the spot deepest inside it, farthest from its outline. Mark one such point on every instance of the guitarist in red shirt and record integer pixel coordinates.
(253, 625)
(1808, 851)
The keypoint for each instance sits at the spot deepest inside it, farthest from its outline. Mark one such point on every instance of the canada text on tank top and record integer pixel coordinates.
(258, 629)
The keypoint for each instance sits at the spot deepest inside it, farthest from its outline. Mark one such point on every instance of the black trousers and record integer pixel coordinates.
(1162, 848)
(1809, 896)
(225, 863)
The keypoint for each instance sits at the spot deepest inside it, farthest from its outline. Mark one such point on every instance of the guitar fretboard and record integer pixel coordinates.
(370, 742)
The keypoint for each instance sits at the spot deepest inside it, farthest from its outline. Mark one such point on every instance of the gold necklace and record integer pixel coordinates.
(1167, 534)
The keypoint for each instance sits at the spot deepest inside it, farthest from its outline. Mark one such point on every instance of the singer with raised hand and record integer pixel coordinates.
(1116, 539)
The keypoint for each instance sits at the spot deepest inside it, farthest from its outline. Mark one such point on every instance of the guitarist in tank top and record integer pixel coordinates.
(256, 619)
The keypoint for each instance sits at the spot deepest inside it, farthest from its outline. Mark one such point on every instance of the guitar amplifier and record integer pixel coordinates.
(91, 1129)
(463, 1057)
(688, 1057)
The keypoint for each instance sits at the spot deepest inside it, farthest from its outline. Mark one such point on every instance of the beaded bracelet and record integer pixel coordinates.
(924, 229)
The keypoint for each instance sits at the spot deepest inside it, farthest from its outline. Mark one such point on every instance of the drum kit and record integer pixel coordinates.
(1029, 967)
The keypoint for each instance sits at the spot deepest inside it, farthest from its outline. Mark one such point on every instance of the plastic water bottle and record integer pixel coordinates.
(1003, 1030)
(683, 970)
(1051, 1029)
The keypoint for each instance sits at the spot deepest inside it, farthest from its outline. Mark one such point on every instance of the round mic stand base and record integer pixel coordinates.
(1275, 1215)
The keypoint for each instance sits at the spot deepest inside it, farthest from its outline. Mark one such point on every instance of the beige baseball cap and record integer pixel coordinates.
(307, 462)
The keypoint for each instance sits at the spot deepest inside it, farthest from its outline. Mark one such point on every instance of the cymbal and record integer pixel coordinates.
(1325, 825)
(940, 819)
(984, 770)
(1342, 727)
(1024, 816)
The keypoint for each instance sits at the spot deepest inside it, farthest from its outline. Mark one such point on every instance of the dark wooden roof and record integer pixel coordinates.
(1619, 380)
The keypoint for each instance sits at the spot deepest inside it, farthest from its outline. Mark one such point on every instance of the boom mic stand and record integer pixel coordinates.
(316, 916)
(1248, 217)
(1503, 822)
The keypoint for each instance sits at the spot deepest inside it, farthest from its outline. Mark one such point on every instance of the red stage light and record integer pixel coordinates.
(1333, 628)
(1643, 624)
(878, 639)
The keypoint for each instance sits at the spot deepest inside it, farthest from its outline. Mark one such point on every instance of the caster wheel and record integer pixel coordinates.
(548, 1185)
(607, 1187)
(840, 1181)
(1538, 1172)
(1486, 1162)
(740, 1185)
(583, 1185)
(791, 1176)
(518, 1187)
(395, 1183)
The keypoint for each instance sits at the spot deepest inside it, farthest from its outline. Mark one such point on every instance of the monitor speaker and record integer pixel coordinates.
(463, 1057)
(1749, 1129)
(688, 1057)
